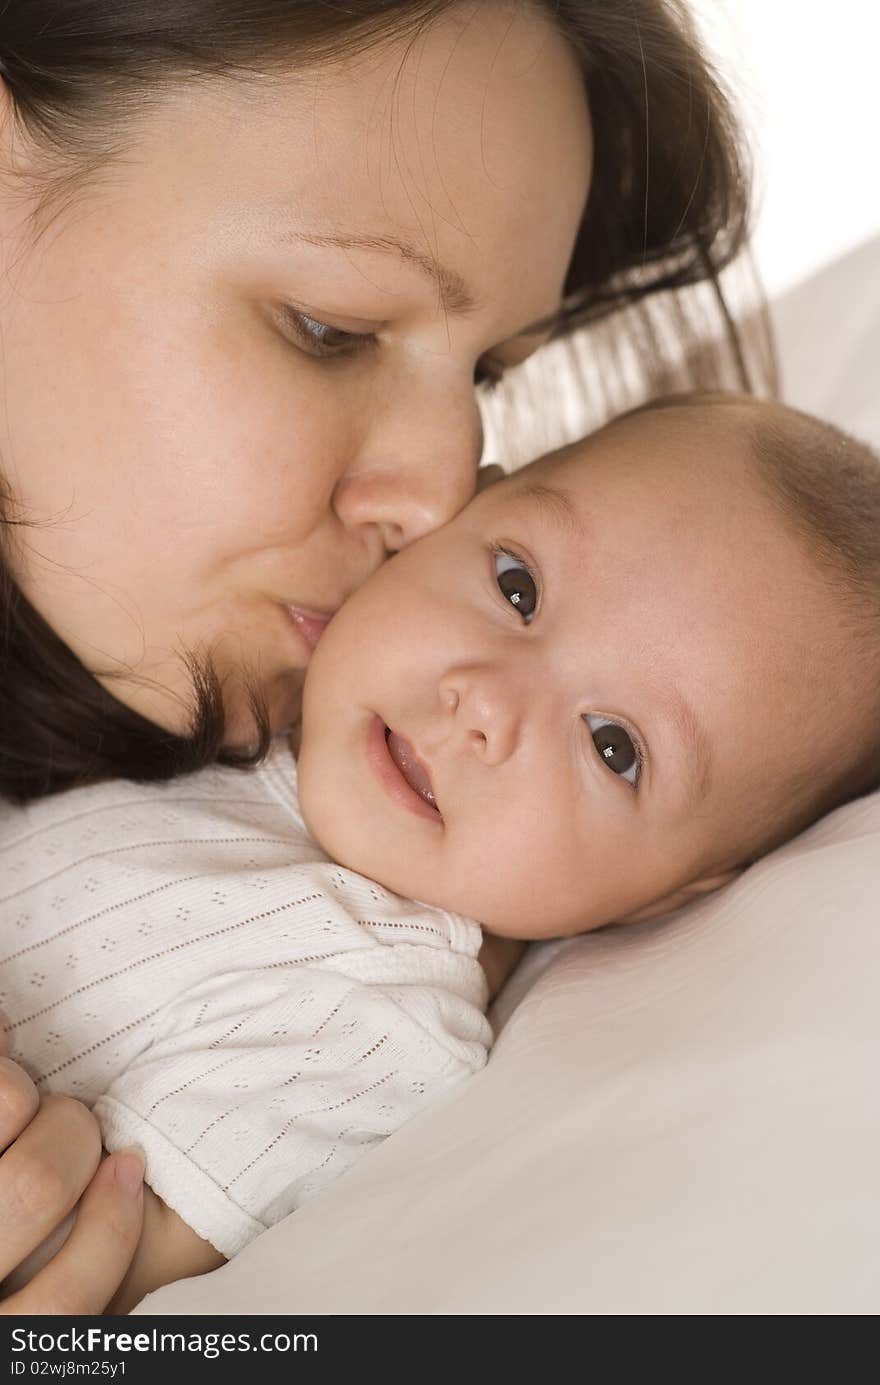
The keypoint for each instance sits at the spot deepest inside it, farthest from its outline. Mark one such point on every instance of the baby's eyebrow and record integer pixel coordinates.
(556, 505)
(689, 729)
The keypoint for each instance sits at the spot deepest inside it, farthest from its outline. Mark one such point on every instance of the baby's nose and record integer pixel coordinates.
(483, 707)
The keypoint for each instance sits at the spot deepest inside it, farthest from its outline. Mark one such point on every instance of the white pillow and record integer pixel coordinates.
(678, 1118)
(681, 1117)
(828, 331)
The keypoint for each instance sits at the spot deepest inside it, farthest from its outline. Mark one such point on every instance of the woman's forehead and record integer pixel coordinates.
(470, 147)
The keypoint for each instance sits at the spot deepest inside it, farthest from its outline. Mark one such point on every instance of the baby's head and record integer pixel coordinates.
(616, 678)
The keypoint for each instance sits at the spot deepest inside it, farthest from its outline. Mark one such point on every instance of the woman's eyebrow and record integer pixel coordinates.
(455, 296)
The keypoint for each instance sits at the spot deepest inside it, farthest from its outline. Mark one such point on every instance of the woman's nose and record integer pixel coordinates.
(414, 473)
(483, 711)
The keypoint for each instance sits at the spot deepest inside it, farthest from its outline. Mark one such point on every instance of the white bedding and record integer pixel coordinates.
(678, 1118)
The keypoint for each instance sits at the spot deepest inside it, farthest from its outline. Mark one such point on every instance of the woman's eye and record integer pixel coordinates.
(516, 583)
(320, 338)
(615, 748)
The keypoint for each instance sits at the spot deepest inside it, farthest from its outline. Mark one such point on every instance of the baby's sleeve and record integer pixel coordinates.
(263, 1085)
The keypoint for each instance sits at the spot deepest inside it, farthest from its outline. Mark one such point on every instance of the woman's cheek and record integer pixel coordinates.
(296, 441)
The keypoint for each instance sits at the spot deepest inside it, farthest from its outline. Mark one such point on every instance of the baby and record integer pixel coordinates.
(614, 680)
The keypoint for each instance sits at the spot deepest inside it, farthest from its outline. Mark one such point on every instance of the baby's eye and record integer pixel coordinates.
(615, 747)
(516, 583)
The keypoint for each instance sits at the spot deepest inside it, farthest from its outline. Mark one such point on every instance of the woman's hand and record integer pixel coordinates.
(51, 1149)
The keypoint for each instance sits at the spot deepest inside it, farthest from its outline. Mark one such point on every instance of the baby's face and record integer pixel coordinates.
(570, 701)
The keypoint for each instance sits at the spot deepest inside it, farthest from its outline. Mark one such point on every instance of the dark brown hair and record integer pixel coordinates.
(668, 207)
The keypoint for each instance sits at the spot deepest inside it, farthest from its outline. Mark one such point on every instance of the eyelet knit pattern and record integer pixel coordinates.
(252, 1016)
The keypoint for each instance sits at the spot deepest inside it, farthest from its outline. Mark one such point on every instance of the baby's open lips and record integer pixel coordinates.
(411, 767)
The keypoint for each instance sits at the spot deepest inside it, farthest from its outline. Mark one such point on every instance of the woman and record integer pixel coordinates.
(255, 257)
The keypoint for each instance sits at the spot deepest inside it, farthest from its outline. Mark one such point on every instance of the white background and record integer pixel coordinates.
(806, 77)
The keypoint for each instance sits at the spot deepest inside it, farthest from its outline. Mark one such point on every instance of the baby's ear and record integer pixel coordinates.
(678, 898)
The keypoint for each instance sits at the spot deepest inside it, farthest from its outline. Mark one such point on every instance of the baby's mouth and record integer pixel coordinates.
(410, 766)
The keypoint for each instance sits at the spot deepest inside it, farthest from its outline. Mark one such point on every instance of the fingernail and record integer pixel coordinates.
(129, 1171)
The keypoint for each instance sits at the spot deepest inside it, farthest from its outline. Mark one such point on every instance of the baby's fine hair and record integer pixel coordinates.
(826, 483)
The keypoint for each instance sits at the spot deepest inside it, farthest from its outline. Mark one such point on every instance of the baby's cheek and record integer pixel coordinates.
(304, 787)
(315, 791)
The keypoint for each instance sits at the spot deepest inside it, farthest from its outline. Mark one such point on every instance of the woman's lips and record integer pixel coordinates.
(392, 770)
(310, 624)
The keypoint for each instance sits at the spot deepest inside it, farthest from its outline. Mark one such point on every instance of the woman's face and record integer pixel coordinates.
(236, 375)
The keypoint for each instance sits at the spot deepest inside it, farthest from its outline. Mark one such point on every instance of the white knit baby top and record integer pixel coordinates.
(250, 1015)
